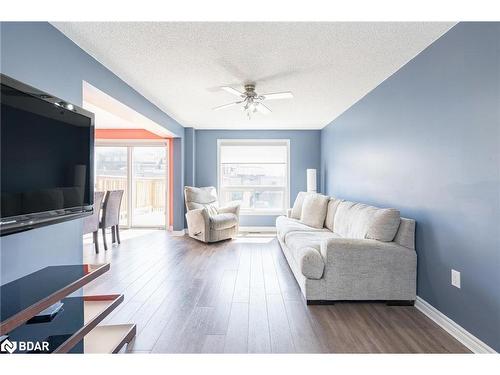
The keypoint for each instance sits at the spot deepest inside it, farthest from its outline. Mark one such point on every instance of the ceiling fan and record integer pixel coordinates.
(250, 101)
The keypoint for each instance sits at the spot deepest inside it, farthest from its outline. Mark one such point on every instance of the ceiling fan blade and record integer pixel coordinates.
(277, 95)
(225, 106)
(232, 91)
(262, 108)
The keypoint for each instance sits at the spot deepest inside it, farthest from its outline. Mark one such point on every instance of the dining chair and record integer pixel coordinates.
(111, 215)
(91, 223)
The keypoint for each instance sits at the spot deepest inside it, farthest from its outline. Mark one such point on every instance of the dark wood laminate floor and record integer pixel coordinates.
(240, 297)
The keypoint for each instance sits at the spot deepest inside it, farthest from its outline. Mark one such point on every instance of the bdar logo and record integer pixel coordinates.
(8, 346)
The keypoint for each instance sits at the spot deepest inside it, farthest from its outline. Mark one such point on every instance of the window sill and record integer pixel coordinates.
(262, 213)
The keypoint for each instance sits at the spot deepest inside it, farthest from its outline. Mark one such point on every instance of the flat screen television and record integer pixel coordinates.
(46, 158)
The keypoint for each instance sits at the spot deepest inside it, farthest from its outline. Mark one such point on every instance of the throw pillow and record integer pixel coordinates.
(297, 206)
(314, 210)
(384, 224)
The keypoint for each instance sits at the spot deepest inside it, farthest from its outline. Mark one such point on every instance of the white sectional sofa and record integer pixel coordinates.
(349, 251)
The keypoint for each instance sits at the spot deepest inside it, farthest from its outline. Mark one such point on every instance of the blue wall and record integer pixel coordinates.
(38, 54)
(427, 141)
(189, 156)
(304, 153)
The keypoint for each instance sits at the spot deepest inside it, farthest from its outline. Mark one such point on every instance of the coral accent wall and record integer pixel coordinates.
(125, 134)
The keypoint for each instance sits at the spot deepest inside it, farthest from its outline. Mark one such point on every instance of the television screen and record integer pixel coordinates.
(46, 155)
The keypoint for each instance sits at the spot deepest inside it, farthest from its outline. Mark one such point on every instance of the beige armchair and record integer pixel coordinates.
(207, 221)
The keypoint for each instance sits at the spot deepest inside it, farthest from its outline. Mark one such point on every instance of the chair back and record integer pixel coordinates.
(204, 197)
(91, 223)
(111, 208)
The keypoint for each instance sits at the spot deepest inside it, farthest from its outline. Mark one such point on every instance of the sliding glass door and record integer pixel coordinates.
(149, 186)
(141, 171)
(111, 173)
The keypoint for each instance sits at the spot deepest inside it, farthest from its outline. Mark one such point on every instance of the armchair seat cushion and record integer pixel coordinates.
(223, 221)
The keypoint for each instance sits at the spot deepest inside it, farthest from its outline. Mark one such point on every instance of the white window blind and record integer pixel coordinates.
(255, 174)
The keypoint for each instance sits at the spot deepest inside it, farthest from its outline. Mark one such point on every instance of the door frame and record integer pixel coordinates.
(130, 144)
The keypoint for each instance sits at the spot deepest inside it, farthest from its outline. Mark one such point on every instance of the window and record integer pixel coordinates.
(254, 173)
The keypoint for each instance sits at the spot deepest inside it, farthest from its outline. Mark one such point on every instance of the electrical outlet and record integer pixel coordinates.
(455, 278)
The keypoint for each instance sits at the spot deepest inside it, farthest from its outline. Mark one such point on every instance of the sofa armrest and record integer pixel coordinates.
(232, 208)
(369, 269)
(337, 250)
(198, 223)
(289, 212)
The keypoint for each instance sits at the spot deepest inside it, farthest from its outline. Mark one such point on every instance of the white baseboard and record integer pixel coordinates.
(182, 232)
(458, 332)
(257, 229)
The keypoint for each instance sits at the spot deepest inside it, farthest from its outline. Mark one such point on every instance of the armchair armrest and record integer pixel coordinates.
(198, 223)
(289, 212)
(232, 208)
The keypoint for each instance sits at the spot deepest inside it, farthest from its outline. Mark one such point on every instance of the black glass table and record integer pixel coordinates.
(37, 316)
(25, 297)
(65, 332)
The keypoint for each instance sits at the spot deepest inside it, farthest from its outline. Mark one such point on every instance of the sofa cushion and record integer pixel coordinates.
(297, 206)
(223, 221)
(285, 225)
(298, 239)
(405, 236)
(314, 210)
(357, 220)
(333, 204)
(384, 224)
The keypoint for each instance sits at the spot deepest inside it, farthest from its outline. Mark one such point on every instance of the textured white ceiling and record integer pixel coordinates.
(179, 66)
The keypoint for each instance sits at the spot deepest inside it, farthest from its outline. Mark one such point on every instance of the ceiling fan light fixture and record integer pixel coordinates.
(253, 102)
